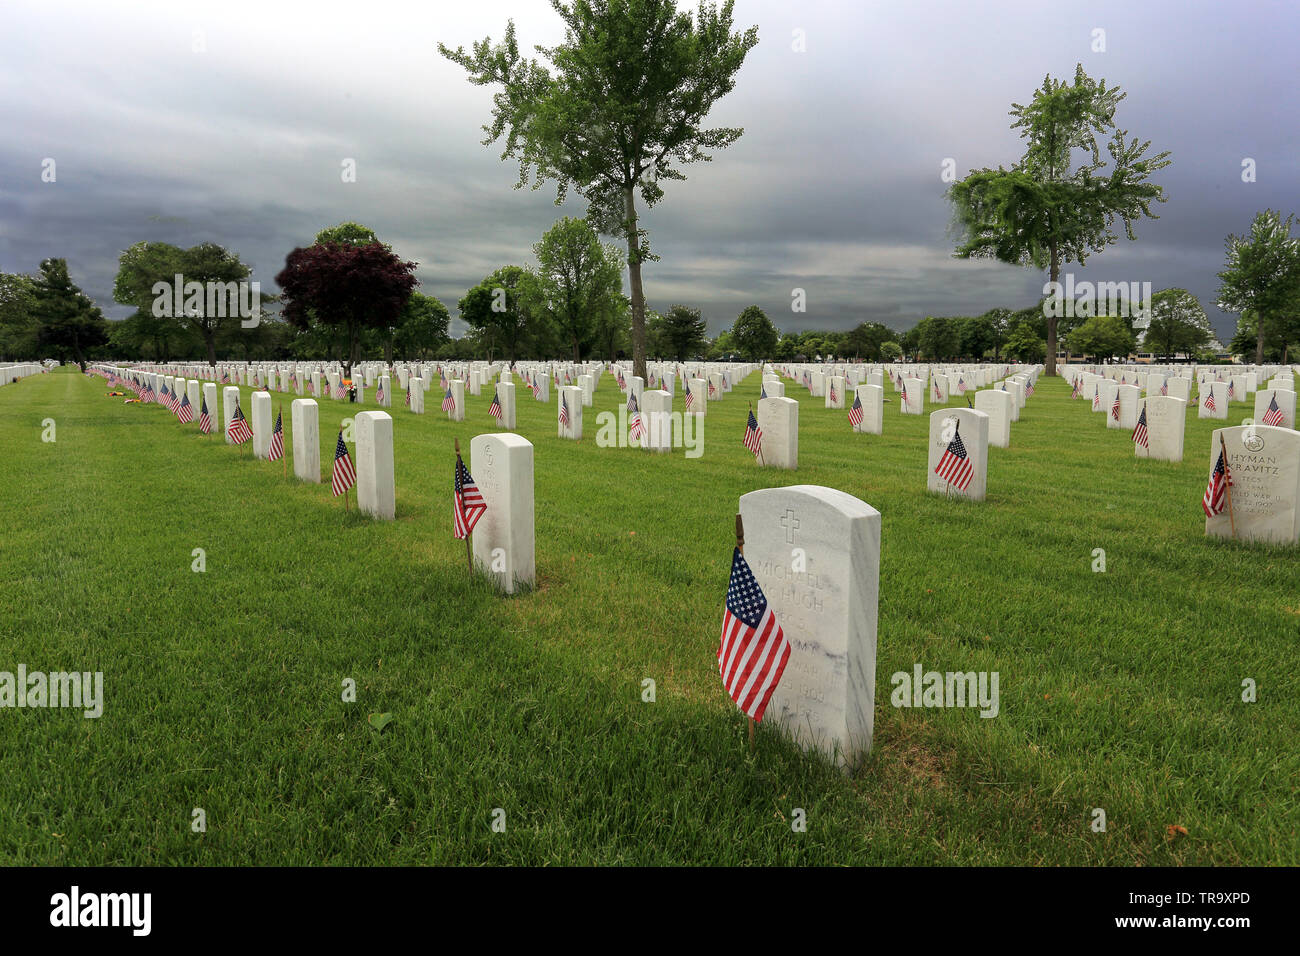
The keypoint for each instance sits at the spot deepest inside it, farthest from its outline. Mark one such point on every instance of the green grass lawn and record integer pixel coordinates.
(1119, 690)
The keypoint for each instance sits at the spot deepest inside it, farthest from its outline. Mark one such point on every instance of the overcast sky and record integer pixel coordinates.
(229, 122)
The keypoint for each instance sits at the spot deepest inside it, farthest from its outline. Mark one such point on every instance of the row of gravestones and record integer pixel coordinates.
(1264, 460)
(12, 373)
(1166, 413)
(815, 551)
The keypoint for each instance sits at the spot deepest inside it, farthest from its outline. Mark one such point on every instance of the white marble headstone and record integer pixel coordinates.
(815, 552)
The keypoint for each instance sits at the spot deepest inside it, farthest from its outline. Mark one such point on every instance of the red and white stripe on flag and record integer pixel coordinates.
(754, 651)
(345, 475)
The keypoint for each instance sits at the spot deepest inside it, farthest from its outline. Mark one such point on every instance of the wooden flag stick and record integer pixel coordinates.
(469, 559)
(1227, 483)
(740, 546)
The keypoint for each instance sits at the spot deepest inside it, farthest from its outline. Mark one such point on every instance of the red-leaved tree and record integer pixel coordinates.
(343, 284)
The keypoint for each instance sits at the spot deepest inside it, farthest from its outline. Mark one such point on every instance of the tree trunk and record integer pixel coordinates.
(634, 280)
(1051, 319)
(1259, 339)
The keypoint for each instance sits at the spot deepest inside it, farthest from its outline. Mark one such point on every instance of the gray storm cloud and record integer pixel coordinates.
(229, 123)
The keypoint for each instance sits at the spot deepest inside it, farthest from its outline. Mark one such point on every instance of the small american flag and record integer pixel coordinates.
(955, 466)
(834, 397)
(1140, 429)
(634, 429)
(902, 406)
(1074, 391)
(753, 435)
(961, 385)
(712, 389)
(468, 504)
(205, 420)
(1274, 414)
(448, 402)
(754, 651)
(1216, 492)
(495, 408)
(1231, 390)
(934, 386)
(1029, 388)
(1096, 397)
(408, 393)
(1164, 388)
(1209, 399)
(564, 411)
(379, 393)
(338, 390)
(855, 413)
(762, 392)
(1114, 409)
(690, 399)
(185, 414)
(239, 431)
(345, 476)
(276, 451)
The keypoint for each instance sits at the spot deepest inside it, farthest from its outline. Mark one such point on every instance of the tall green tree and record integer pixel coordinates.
(1023, 343)
(499, 308)
(1102, 337)
(18, 328)
(146, 267)
(619, 108)
(422, 327)
(350, 287)
(1045, 210)
(685, 332)
(613, 332)
(1178, 324)
(863, 341)
(939, 338)
(1262, 275)
(577, 279)
(68, 324)
(754, 334)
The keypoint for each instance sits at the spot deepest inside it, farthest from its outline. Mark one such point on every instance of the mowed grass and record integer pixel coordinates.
(1119, 690)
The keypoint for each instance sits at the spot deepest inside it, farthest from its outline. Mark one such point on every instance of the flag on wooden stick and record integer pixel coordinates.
(468, 504)
(1273, 416)
(239, 431)
(1216, 492)
(276, 451)
(345, 475)
(1140, 429)
(754, 650)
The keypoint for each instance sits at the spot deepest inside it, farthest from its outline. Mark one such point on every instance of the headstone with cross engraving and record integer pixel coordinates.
(815, 552)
